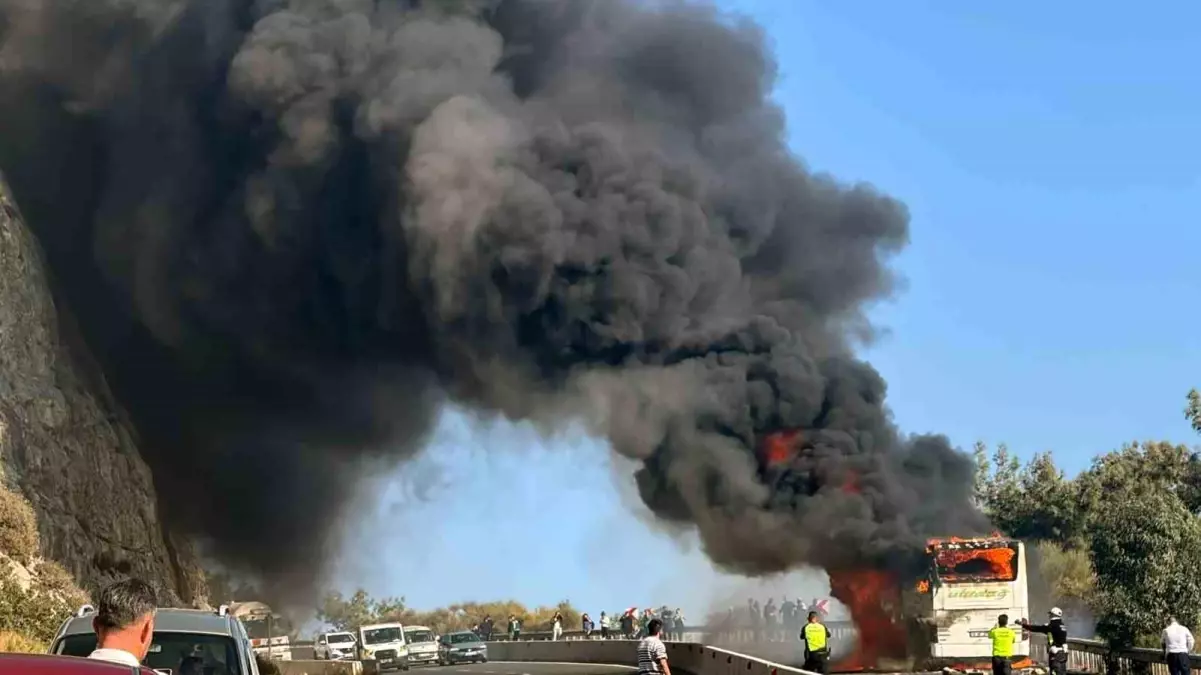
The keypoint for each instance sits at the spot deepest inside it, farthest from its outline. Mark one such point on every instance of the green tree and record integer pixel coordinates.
(1146, 552)
(1193, 411)
(343, 613)
(1034, 501)
(359, 609)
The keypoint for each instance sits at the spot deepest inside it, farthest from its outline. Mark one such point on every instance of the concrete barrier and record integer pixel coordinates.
(325, 667)
(686, 657)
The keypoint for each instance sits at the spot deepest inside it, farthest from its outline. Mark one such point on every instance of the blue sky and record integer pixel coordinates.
(1050, 154)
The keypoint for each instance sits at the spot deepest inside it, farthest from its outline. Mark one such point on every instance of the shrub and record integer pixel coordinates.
(266, 665)
(15, 643)
(18, 527)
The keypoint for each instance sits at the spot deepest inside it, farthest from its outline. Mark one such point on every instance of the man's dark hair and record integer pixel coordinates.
(124, 602)
(812, 615)
(654, 627)
(1003, 620)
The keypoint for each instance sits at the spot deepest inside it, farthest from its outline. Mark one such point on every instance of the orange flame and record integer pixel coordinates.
(870, 595)
(980, 563)
(923, 586)
(781, 446)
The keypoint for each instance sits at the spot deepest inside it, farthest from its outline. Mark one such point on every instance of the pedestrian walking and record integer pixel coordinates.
(1178, 642)
(1003, 639)
(586, 622)
(556, 630)
(1057, 640)
(816, 637)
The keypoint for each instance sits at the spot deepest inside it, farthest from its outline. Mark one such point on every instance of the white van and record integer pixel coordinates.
(422, 644)
(384, 643)
(334, 646)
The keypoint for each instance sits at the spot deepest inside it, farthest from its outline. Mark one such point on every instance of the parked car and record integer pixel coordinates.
(44, 664)
(334, 646)
(423, 645)
(461, 647)
(214, 636)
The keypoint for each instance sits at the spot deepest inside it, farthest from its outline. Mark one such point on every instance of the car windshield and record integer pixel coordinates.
(217, 653)
(421, 635)
(458, 638)
(376, 636)
(339, 638)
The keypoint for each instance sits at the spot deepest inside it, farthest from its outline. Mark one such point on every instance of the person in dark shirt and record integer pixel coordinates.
(1057, 640)
(486, 628)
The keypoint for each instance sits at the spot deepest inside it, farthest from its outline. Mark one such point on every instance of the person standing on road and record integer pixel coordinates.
(486, 627)
(124, 622)
(1057, 640)
(604, 625)
(556, 630)
(1003, 639)
(652, 653)
(816, 637)
(514, 627)
(586, 624)
(1177, 643)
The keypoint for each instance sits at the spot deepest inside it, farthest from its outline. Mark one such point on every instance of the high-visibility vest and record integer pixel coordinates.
(1002, 638)
(815, 636)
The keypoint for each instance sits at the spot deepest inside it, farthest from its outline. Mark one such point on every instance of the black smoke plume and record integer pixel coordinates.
(292, 229)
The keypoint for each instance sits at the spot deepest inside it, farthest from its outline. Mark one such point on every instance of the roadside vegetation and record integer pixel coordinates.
(36, 595)
(1121, 540)
(346, 613)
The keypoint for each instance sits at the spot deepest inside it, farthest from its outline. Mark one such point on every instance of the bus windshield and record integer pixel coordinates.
(957, 564)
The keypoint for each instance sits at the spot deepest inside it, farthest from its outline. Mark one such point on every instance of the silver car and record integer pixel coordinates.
(216, 638)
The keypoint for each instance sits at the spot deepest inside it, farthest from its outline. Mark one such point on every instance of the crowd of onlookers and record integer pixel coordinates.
(767, 621)
(630, 624)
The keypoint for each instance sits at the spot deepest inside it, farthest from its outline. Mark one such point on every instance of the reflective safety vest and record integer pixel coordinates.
(815, 636)
(1002, 638)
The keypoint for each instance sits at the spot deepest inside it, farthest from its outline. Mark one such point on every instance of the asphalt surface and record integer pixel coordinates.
(502, 668)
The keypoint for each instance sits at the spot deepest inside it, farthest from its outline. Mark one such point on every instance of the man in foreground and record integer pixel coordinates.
(124, 622)
(1003, 639)
(652, 653)
(1178, 641)
(817, 645)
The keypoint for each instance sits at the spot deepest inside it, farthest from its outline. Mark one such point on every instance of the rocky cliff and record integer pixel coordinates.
(64, 442)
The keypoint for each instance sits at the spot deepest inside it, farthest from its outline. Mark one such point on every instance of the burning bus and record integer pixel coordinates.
(970, 583)
(942, 620)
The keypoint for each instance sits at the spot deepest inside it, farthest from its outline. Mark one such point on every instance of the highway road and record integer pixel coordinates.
(501, 668)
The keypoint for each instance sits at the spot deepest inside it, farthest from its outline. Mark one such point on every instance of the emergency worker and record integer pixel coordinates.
(817, 645)
(1057, 640)
(1003, 639)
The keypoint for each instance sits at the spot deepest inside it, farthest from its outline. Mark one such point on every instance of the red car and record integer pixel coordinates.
(40, 664)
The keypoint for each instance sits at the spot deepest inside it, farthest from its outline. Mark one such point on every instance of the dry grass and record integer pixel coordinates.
(18, 527)
(15, 643)
(30, 617)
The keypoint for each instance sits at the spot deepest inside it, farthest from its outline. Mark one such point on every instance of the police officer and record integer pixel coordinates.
(817, 645)
(1003, 638)
(1057, 640)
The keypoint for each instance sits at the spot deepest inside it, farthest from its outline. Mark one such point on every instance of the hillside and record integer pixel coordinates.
(64, 444)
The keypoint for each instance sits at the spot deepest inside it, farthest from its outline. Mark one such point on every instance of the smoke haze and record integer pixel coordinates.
(291, 230)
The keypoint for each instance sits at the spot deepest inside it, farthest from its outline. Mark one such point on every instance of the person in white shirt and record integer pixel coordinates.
(124, 622)
(1177, 643)
(557, 629)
